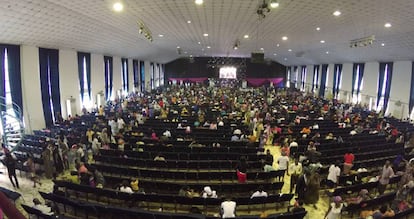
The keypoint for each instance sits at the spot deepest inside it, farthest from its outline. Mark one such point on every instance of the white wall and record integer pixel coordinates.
(370, 88)
(68, 72)
(130, 75)
(117, 76)
(330, 78)
(346, 82)
(32, 101)
(97, 75)
(400, 88)
(147, 75)
(309, 78)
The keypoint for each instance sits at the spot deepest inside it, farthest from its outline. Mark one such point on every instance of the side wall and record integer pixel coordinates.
(400, 85)
(69, 82)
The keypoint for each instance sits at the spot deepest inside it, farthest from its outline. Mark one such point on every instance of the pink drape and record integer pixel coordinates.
(256, 81)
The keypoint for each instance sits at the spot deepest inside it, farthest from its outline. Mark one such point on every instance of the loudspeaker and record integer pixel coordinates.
(257, 57)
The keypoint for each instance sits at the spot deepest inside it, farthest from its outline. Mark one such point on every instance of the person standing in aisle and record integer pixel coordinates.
(10, 163)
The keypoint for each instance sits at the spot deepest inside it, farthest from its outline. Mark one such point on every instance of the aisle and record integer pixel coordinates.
(323, 203)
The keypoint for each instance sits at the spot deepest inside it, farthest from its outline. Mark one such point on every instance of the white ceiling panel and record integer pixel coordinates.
(92, 26)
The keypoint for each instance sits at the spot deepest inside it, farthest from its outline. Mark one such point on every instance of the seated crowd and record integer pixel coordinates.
(325, 145)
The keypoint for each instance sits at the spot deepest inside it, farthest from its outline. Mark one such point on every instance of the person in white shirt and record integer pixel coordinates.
(121, 123)
(259, 193)
(125, 187)
(293, 143)
(167, 133)
(295, 170)
(283, 161)
(209, 193)
(333, 174)
(114, 126)
(228, 209)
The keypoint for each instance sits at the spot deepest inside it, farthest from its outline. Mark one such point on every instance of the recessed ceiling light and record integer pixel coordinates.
(387, 25)
(318, 28)
(199, 2)
(178, 47)
(118, 6)
(274, 4)
(277, 45)
(208, 47)
(198, 42)
(191, 56)
(327, 52)
(290, 50)
(246, 36)
(285, 38)
(285, 59)
(382, 44)
(261, 49)
(274, 54)
(337, 13)
(188, 22)
(206, 34)
(322, 41)
(160, 35)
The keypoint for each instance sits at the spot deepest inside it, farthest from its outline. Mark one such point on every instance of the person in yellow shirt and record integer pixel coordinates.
(135, 184)
(101, 110)
(89, 134)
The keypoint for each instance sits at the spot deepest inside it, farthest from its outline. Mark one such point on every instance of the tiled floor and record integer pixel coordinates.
(26, 188)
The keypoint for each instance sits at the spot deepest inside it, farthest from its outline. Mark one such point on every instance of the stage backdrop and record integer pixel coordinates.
(201, 67)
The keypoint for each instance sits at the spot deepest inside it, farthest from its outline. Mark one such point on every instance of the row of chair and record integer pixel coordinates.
(169, 187)
(358, 187)
(86, 210)
(178, 164)
(95, 195)
(196, 176)
(183, 156)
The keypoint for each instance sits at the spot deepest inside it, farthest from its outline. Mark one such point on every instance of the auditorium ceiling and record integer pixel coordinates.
(314, 34)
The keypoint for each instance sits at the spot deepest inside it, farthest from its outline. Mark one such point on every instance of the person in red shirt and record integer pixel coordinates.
(348, 162)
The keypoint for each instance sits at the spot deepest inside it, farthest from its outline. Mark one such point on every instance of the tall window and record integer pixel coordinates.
(315, 78)
(108, 65)
(142, 75)
(162, 73)
(152, 72)
(7, 89)
(49, 81)
(135, 70)
(384, 86)
(303, 78)
(84, 68)
(157, 75)
(288, 77)
(296, 71)
(125, 79)
(357, 82)
(337, 80)
(324, 80)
